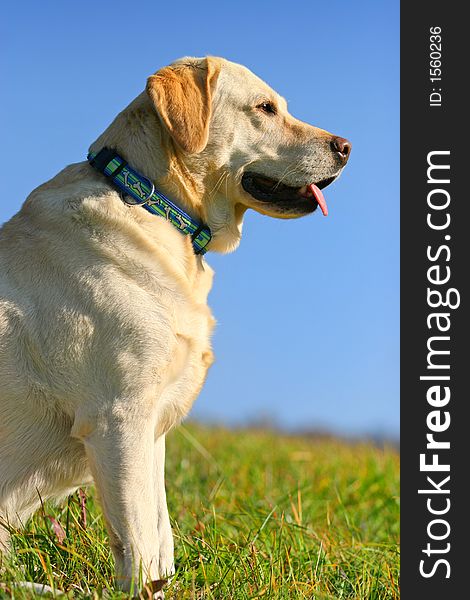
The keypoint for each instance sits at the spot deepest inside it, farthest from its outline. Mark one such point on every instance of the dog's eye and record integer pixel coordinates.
(267, 107)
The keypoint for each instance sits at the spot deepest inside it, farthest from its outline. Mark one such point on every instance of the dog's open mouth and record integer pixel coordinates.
(269, 190)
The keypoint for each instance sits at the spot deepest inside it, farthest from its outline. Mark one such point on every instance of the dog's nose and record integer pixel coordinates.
(342, 147)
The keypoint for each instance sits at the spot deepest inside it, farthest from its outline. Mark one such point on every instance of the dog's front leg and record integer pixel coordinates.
(165, 535)
(121, 453)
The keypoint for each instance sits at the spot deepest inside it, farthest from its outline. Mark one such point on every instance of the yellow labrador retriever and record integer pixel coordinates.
(104, 326)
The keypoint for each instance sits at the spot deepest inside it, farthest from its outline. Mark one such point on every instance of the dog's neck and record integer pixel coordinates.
(138, 135)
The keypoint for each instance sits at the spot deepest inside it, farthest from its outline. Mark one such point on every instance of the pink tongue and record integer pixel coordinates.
(319, 197)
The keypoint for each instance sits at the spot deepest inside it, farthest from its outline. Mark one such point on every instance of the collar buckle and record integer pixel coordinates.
(145, 199)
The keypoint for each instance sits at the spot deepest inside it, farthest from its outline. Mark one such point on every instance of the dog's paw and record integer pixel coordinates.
(39, 589)
(153, 590)
(166, 564)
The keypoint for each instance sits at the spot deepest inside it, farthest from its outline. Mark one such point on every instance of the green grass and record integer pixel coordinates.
(256, 514)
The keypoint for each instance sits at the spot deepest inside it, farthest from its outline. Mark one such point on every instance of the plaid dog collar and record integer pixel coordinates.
(142, 190)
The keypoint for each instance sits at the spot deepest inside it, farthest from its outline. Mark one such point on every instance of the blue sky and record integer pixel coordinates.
(307, 310)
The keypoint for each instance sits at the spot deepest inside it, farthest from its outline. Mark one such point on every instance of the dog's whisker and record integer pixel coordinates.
(289, 170)
(218, 184)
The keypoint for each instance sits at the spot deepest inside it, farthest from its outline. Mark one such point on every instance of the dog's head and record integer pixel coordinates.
(230, 144)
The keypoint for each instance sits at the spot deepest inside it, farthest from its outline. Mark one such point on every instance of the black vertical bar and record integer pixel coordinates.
(434, 119)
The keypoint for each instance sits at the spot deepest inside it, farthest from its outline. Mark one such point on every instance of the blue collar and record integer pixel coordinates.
(143, 191)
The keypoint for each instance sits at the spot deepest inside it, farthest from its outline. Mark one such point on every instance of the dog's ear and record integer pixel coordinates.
(182, 96)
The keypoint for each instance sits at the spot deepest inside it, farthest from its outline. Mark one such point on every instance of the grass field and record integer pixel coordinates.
(256, 514)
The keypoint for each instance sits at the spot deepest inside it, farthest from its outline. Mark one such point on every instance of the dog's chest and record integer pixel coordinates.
(191, 354)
